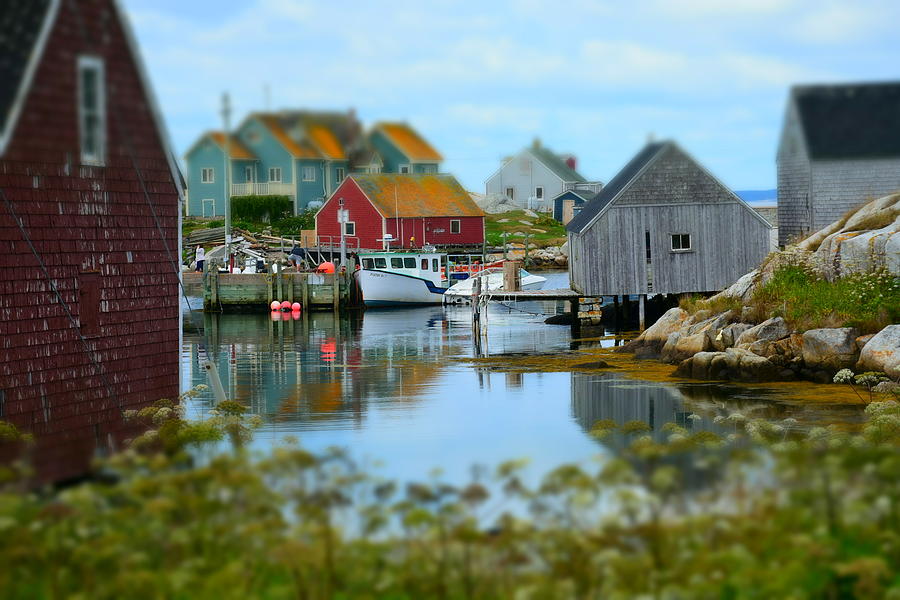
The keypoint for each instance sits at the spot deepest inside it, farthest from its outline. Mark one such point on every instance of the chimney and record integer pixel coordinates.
(572, 163)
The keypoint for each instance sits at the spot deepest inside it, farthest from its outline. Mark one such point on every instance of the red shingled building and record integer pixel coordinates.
(89, 231)
(433, 209)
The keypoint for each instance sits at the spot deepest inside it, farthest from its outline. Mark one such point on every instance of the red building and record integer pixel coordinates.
(89, 232)
(412, 209)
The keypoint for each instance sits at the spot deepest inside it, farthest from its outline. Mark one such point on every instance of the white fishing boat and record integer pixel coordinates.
(491, 280)
(401, 278)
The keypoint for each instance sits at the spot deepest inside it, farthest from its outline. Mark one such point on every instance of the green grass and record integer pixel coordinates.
(868, 301)
(554, 232)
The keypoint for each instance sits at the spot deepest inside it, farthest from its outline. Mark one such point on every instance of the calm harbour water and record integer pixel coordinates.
(385, 386)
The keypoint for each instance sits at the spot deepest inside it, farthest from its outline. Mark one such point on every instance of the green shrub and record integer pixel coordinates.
(293, 225)
(261, 209)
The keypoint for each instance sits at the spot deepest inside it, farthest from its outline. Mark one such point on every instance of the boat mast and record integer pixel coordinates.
(226, 119)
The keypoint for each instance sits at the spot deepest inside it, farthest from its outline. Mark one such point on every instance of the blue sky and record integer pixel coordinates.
(480, 80)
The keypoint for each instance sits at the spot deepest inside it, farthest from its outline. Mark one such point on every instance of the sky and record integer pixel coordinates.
(481, 80)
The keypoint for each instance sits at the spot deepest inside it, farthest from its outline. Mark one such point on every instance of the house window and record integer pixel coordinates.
(539, 193)
(454, 226)
(349, 228)
(309, 173)
(207, 175)
(250, 174)
(275, 174)
(681, 242)
(91, 110)
(510, 193)
(339, 174)
(404, 168)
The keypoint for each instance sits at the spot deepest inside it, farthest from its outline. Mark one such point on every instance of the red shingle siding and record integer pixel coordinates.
(362, 213)
(85, 219)
(436, 230)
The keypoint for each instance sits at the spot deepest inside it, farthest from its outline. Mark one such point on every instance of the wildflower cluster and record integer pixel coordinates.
(769, 511)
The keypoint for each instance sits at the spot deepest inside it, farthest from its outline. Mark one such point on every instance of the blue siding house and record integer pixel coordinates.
(301, 154)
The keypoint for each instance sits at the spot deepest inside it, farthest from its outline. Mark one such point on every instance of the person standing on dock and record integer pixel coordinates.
(201, 259)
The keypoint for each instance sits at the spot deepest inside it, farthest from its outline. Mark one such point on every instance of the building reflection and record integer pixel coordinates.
(319, 369)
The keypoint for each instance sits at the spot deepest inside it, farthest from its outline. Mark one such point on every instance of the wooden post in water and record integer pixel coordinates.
(304, 294)
(278, 269)
(511, 279)
(336, 289)
(641, 299)
(214, 286)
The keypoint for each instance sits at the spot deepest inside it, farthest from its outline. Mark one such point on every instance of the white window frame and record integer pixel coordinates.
(309, 173)
(339, 174)
(539, 192)
(458, 224)
(250, 174)
(511, 193)
(404, 168)
(350, 228)
(207, 175)
(98, 157)
(274, 174)
(690, 246)
(207, 202)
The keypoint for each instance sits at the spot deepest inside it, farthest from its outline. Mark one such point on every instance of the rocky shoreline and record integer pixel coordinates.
(725, 347)
(735, 345)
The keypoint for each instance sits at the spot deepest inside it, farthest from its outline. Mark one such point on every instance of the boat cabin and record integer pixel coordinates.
(424, 265)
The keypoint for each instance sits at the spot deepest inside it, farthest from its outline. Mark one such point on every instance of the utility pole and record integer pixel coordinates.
(226, 120)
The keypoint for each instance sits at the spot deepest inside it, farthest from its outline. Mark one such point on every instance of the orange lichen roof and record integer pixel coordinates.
(236, 148)
(409, 142)
(403, 195)
(285, 140)
(326, 142)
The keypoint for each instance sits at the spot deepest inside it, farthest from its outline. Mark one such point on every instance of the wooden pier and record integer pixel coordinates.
(247, 292)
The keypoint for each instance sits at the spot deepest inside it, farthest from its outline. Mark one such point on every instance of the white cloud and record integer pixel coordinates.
(838, 23)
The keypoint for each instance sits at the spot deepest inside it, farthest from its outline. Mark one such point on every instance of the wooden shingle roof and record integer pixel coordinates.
(236, 148)
(850, 121)
(21, 25)
(404, 195)
(409, 142)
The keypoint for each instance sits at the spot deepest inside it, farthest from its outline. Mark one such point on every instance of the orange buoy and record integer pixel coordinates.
(275, 305)
(325, 267)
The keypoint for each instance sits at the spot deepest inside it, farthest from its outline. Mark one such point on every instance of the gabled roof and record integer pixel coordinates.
(309, 134)
(404, 195)
(850, 121)
(235, 147)
(24, 27)
(408, 141)
(615, 186)
(586, 195)
(591, 210)
(555, 163)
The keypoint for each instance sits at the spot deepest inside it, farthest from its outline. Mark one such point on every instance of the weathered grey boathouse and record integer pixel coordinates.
(839, 148)
(663, 225)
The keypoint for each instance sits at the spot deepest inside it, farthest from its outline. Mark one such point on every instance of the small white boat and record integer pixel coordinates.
(491, 280)
(402, 278)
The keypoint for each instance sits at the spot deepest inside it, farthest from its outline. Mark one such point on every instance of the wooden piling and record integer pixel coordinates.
(641, 299)
(336, 290)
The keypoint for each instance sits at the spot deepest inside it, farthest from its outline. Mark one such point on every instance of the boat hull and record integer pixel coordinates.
(386, 289)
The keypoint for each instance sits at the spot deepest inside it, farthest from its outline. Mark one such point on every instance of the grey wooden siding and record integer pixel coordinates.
(673, 195)
(813, 193)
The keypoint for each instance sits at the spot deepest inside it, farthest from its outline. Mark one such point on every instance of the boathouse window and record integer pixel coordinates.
(510, 193)
(368, 263)
(409, 263)
(539, 193)
(275, 174)
(91, 110)
(309, 173)
(434, 265)
(207, 175)
(454, 226)
(350, 228)
(380, 263)
(396, 263)
(681, 242)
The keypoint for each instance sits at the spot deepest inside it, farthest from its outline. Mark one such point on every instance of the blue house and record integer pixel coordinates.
(564, 204)
(300, 154)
